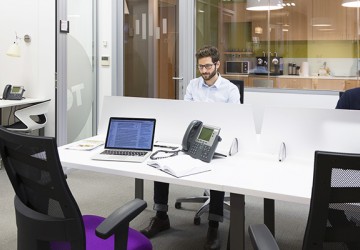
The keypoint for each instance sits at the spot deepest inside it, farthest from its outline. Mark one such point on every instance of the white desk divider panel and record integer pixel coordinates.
(304, 130)
(173, 117)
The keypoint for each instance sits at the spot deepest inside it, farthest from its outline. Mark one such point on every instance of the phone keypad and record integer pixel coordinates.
(205, 152)
(194, 148)
(197, 147)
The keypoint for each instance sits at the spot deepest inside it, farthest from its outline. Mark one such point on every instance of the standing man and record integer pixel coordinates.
(210, 87)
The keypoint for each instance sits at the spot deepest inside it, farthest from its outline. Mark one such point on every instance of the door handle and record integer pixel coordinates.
(178, 78)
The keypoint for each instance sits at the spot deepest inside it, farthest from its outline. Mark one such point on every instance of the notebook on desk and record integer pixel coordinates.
(128, 139)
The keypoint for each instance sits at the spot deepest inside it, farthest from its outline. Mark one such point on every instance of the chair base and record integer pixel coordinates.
(205, 199)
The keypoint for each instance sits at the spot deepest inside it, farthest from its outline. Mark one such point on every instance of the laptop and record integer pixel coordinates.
(128, 139)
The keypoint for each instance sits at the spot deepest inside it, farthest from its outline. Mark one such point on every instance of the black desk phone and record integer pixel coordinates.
(13, 92)
(200, 141)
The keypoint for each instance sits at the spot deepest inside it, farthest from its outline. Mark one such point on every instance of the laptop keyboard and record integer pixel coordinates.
(124, 152)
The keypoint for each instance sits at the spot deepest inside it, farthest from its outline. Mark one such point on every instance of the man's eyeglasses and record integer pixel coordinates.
(206, 66)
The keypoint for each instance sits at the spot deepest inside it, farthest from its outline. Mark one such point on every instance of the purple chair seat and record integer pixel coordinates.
(136, 240)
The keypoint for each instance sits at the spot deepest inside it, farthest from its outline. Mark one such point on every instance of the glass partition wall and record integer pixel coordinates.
(150, 43)
(289, 44)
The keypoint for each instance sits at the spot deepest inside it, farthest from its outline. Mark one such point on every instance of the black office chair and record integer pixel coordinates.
(240, 85)
(205, 199)
(47, 215)
(334, 216)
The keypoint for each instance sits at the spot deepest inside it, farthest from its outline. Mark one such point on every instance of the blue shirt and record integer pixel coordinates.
(350, 99)
(221, 91)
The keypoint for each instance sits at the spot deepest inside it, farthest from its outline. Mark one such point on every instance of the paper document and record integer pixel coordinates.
(180, 165)
(86, 144)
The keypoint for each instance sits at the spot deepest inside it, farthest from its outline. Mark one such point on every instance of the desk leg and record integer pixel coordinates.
(237, 221)
(269, 214)
(139, 188)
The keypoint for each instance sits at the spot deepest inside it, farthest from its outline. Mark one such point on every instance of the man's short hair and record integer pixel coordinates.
(208, 51)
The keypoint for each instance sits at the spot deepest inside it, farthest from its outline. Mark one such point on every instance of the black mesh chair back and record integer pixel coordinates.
(46, 211)
(240, 85)
(334, 216)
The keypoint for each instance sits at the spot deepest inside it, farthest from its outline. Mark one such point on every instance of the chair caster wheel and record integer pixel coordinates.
(197, 220)
(177, 205)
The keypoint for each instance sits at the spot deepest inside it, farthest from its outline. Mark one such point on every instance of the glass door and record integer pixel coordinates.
(80, 69)
(150, 46)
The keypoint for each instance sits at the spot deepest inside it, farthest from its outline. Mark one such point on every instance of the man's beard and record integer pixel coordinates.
(210, 76)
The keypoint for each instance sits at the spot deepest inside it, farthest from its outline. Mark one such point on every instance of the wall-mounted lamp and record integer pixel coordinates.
(126, 8)
(351, 3)
(14, 49)
(262, 5)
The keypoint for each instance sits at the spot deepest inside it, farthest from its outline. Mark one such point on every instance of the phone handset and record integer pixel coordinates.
(200, 141)
(190, 134)
(6, 92)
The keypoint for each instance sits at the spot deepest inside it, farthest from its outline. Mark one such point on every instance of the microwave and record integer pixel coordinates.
(237, 67)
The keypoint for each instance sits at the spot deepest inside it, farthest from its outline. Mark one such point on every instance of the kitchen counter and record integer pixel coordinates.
(236, 76)
(320, 77)
(337, 83)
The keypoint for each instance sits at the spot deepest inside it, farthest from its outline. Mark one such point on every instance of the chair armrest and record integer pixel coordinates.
(120, 218)
(261, 238)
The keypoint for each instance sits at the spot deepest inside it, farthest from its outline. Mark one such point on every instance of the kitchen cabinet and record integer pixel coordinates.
(287, 24)
(351, 26)
(307, 20)
(328, 84)
(350, 84)
(262, 82)
(328, 20)
(294, 22)
(294, 83)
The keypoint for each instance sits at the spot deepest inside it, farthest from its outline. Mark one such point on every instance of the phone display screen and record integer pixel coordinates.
(205, 134)
(15, 89)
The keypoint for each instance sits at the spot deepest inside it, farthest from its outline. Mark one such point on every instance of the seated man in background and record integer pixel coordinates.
(210, 87)
(350, 99)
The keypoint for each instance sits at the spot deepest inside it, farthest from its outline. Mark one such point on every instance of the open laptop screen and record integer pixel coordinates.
(130, 133)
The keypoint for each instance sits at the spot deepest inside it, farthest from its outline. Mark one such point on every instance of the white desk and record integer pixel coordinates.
(25, 101)
(247, 174)
(172, 119)
(255, 170)
(13, 103)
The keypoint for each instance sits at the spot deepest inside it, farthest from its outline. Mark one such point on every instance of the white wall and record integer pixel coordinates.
(104, 37)
(36, 66)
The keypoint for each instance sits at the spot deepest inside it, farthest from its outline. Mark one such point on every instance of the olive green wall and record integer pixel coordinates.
(312, 49)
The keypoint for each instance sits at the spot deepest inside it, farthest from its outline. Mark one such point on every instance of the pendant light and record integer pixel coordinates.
(351, 3)
(263, 5)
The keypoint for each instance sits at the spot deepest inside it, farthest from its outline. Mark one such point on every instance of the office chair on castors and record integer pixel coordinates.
(47, 215)
(334, 215)
(205, 199)
(30, 118)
